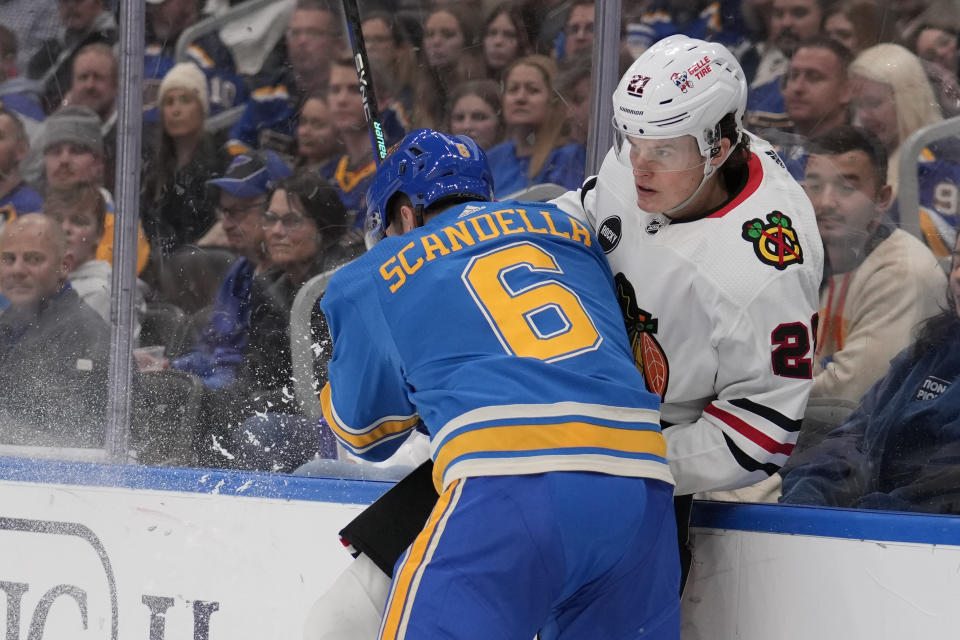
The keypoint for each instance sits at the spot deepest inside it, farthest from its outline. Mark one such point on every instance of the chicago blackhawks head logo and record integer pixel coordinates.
(775, 242)
(648, 355)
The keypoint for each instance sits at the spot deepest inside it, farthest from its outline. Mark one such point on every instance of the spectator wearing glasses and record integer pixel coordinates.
(302, 230)
(243, 194)
(314, 37)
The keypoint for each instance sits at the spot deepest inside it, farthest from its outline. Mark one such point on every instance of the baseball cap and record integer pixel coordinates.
(252, 174)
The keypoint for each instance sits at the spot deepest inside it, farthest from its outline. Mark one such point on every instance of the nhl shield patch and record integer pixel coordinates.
(775, 242)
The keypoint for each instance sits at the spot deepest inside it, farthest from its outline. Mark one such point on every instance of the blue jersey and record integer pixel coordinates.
(564, 166)
(21, 200)
(766, 108)
(938, 176)
(496, 328)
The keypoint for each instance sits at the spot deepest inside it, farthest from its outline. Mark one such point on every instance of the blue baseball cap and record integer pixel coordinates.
(253, 174)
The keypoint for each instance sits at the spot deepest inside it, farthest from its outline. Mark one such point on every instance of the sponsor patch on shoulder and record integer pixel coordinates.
(775, 242)
(608, 234)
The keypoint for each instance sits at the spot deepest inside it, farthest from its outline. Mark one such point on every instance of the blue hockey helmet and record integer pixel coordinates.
(426, 166)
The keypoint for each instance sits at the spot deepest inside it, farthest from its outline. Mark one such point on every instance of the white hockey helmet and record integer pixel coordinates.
(681, 86)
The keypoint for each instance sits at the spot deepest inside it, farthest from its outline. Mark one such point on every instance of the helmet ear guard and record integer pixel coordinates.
(426, 166)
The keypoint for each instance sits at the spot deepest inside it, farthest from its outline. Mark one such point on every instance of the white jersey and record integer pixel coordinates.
(721, 312)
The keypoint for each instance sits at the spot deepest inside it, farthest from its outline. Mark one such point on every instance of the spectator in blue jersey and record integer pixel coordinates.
(351, 173)
(899, 449)
(176, 207)
(879, 282)
(267, 431)
(269, 121)
(504, 38)
(791, 22)
(82, 22)
(166, 21)
(16, 198)
(817, 95)
(506, 558)
(536, 150)
(243, 193)
(19, 95)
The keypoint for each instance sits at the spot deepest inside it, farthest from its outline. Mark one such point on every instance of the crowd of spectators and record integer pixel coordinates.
(267, 170)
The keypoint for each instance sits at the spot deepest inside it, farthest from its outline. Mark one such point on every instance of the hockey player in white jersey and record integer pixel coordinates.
(718, 261)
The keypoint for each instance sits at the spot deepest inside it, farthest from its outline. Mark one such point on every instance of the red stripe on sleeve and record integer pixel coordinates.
(749, 432)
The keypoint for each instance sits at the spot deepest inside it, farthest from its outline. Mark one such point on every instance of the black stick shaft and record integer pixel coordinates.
(370, 109)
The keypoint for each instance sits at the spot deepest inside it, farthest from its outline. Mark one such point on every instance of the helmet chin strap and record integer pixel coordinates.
(708, 170)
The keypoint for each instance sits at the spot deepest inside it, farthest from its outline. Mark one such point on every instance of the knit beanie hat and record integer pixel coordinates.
(186, 75)
(76, 124)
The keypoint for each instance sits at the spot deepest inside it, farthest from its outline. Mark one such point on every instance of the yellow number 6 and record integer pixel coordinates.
(512, 314)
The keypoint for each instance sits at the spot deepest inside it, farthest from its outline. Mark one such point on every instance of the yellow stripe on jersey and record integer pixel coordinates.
(932, 236)
(535, 437)
(271, 93)
(200, 57)
(359, 439)
(407, 580)
(236, 148)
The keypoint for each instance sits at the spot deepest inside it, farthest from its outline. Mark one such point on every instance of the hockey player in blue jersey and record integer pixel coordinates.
(495, 328)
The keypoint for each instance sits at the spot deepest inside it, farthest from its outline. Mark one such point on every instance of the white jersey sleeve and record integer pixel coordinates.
(720, 311)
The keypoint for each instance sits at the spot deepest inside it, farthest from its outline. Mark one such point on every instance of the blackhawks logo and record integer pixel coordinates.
(775, 242)
(648, 355)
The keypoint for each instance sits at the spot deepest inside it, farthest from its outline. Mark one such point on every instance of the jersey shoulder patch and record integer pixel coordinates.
(775, 242)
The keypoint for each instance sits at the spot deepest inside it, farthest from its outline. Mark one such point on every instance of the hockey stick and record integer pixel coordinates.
(370, 110)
